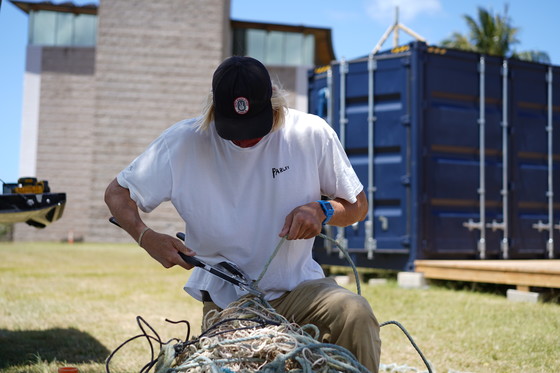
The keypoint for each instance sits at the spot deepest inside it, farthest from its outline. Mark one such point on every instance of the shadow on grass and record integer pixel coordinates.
(69, 345)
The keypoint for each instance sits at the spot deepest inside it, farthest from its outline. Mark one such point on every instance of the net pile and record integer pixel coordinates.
(249, 336)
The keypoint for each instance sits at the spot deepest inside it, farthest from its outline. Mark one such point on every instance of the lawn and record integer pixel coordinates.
(63, 304)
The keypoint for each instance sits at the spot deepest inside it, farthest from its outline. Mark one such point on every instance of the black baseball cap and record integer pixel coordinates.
(242, 91)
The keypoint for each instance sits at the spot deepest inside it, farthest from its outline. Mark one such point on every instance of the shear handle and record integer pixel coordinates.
(198, 263)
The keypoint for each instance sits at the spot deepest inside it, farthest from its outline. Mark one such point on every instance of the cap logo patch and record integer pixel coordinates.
(241, 105)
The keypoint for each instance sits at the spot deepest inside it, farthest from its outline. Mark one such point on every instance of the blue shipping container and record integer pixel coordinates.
(459, 154)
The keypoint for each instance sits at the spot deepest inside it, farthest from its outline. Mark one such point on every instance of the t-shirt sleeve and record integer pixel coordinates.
(338, 178)
(149, 177)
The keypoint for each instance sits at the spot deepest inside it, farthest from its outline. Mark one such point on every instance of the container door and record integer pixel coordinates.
(389, 133)
(461, 164)
(535, 121)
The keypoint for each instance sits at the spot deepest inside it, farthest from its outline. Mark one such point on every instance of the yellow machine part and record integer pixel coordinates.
(30, 189)
(29, 186)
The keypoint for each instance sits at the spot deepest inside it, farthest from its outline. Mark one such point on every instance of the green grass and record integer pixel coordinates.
(64, 304)
(74, 304)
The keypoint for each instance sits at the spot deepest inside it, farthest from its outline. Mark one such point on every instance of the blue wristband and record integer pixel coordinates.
(327, 209)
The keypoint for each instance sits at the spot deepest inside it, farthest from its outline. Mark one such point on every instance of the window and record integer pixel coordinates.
(275, 47)
(62, 29)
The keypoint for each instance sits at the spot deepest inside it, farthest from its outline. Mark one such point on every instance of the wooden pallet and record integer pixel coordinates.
(521, 273)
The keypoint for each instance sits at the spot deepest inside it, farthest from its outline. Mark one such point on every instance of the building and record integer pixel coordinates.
(101, 82)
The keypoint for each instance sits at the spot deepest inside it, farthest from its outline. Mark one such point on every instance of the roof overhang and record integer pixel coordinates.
(324, 52)
(67, 7)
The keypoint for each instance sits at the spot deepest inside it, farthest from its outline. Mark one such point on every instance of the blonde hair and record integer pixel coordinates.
(279, 108)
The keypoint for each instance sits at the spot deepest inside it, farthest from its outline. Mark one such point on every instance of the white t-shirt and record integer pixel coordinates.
(234, 200)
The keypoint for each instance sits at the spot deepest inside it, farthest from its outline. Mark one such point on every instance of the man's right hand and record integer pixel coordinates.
(164, 248)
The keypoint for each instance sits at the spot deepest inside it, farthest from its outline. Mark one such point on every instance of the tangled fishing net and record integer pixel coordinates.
(249, 336)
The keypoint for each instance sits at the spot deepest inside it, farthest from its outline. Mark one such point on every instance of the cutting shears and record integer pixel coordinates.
(224, 270)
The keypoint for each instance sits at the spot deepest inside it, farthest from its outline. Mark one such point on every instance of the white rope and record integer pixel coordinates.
(249, 336)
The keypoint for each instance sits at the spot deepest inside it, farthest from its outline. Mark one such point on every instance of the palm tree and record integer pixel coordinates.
(535, 56)
(492, 34)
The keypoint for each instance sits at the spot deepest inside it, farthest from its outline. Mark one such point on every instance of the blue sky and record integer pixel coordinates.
(357, 26)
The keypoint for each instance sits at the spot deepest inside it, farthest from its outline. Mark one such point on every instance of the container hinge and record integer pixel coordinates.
(481, 66)
(405, 180)
(343, 66)
(405, 120)
(372, 64)
(471, 224)
(504, 70)
(504, 246)
(384, 221)
(550, 248)
(540, 226)
(495, 225)
(405, 240)
(482, 248)
(549, 76)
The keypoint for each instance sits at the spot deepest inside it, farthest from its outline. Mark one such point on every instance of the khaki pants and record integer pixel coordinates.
(343, 317)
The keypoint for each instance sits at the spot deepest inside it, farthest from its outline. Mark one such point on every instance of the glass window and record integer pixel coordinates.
(256, 44)
(293, 49)
(308, 51)
(239, 43)
(85, 30)
(275, 47)
(42, 28)
(62, 29)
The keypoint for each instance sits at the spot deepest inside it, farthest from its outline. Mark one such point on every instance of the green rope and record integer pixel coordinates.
(340, 247)
(348, 259)
(280, 243)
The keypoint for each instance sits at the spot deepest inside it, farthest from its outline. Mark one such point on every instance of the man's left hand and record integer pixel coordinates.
(303, 222)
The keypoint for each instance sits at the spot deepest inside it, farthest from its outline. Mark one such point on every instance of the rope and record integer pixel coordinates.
(280, 243)
(149, 338)
(341, 248)
(348, 259)
(355, 270)
(249, 336)
(426, 362)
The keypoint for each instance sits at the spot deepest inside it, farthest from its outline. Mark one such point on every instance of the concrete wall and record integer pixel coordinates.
(154, 65)
(64, 139)
(293, 79)
(95, 109)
